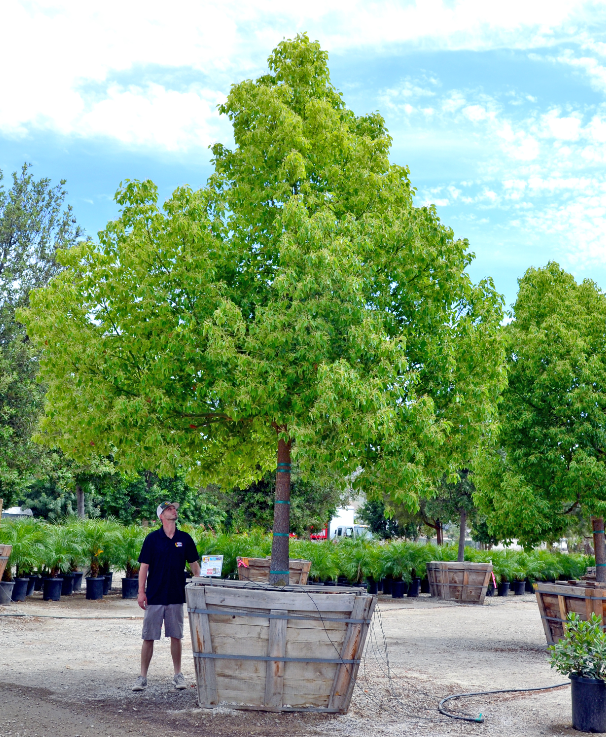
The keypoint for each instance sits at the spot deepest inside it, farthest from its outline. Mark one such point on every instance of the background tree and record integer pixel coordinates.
(300, 303)
(553, 428)
(34, 225)
(312, 505)
(373, 514)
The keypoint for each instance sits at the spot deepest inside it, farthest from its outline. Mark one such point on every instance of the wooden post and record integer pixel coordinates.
(279, 573)
(599, 545)
(276, 647)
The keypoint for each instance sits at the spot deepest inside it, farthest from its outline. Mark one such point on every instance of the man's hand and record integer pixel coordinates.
(142, 599)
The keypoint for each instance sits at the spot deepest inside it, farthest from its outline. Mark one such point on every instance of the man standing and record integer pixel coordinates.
(162, 560)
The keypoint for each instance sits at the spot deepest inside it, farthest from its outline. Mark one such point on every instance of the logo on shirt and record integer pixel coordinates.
(178, 545)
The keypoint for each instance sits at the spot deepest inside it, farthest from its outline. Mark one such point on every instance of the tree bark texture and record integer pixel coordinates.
(80, 501)
(278, 574)
(599, 545)
(462, 531)
(439, 533)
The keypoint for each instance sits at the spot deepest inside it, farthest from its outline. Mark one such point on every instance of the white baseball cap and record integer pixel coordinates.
(164, 505)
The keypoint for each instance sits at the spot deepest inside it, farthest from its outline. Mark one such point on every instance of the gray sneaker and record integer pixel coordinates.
(179, 681)
(141, 684)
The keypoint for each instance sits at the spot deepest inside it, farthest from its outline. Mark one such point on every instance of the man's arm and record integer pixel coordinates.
(142, 597)
(195, 567)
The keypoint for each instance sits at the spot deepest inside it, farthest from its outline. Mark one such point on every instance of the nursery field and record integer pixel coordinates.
(67, 667)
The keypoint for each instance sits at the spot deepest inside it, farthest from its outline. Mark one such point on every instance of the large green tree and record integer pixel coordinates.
(34, 225)
(298, 306)
(553, 456)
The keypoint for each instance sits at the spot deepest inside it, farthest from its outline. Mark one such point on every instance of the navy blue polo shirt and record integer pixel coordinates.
(166, 559)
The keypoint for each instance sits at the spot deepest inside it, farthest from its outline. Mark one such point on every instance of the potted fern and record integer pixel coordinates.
(581, 656)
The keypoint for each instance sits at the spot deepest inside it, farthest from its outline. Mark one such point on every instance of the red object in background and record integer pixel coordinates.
(322, 535)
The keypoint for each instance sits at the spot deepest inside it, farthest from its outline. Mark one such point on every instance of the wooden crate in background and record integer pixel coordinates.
(257, 569)
(463, 582)
(296, 648)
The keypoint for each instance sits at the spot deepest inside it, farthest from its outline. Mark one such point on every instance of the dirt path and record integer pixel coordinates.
(72, 677)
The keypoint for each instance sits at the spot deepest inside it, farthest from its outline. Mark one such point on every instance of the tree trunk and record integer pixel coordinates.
(462, 530)
(80, 502)
(278, 573)
(439, 533)
(599, 545)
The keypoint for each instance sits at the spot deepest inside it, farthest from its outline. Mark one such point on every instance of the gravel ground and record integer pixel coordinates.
(72, 676)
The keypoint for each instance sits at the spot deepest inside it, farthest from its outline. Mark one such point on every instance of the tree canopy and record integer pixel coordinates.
(553, 431)
(299, 298)
(34, 225)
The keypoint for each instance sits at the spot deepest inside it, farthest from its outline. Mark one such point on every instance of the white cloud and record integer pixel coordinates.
(69, 80)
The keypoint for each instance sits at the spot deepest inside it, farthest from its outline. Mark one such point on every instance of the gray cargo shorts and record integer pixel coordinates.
(155, 614)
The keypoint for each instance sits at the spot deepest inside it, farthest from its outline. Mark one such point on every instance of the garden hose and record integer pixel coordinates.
(480, 718)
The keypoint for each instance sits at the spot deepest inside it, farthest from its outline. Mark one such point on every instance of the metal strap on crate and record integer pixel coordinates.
(274, 658)
(573, 596)
(239, 613)
(563, 621)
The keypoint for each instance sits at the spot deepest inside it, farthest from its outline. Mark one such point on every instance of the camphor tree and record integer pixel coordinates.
(298, 306)
(553, 459)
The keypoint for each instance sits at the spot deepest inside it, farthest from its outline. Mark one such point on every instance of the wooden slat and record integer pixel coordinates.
(261, 599)
(276, 647)
(545, 622)
(369, 608)
(202, 643)
(348, 649)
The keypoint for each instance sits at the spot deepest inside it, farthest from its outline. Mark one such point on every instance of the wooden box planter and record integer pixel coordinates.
(556, 600)
(296, 648)
(464, 582)
(257, 569)
(5, 551)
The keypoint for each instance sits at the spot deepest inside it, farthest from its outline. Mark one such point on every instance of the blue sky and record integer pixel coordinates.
(498, 108)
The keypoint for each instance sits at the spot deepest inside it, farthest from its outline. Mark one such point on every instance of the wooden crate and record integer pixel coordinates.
(257, 569)
(464, 582)
(556, 600)
(296, 648)
(5, 551)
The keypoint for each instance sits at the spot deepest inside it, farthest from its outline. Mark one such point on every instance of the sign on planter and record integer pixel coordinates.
(211, 565)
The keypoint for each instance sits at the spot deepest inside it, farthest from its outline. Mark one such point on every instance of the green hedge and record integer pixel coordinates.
(99, 545)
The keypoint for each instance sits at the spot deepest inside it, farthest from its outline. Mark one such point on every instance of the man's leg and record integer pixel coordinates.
(147, 650)
(175, 651)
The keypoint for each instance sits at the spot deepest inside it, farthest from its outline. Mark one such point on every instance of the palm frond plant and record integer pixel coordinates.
(60, 547)
(357, 559)
(323, 556)
(25, 537)
(93, 539)
(126, 548)
(111, 548)
(398, 560)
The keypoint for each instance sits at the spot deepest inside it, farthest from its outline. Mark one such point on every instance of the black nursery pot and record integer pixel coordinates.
(415, 587)
(51, 589)
(130, 588)
(67, 589)
(20, 589)
(31, 585)
(490, 590)
(504, 588)
(425, 586)
(588, 704)
(398, 589)
(108, 583)
(387, 584)
(373, 586)
(38, 583)
(94, 587)
(519, 587)
(528, 586)
(6, 592)
(78, 581)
